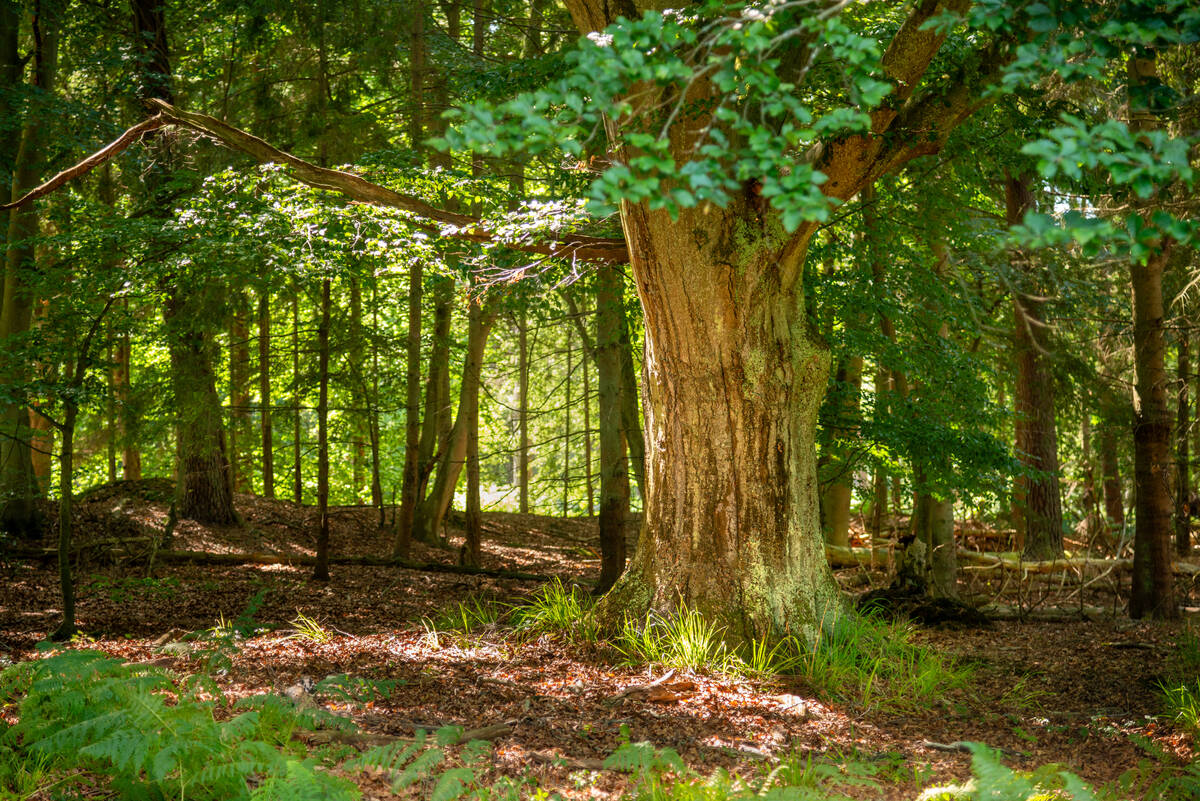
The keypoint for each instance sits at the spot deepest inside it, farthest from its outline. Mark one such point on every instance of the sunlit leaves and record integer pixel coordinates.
(696, 104)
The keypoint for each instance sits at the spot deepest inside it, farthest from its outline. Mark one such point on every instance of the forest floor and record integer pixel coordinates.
(1082, 693)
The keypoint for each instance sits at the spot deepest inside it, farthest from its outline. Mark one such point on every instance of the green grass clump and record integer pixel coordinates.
(1180, 691)
(558, 611)
(874, 663)
(687, 641)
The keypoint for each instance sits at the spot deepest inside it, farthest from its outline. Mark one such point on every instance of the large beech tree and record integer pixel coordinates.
(731, 135)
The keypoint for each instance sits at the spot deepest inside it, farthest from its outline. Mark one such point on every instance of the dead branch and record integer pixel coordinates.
(354, 187)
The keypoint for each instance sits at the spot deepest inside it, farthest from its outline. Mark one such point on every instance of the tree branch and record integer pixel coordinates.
(354, 187)
(114, 148)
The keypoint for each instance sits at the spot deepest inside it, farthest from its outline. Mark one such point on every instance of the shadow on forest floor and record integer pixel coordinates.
(1079, 693)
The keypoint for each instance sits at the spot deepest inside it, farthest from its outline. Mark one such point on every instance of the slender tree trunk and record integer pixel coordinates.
(359, 416)
(614, 469)
(933, 549)
(567, 432)
(1153, 584)
(410, 488)
(239, 393)
(66, 492)
(264, 393)
(373, 413)
(840, 490)
(131, 456)
(428, 521)
(1183, 488)
(1114, 500)
(321, 571)
(1091, 502)
(631, 411)
(435, 426)
(1037, 438)
(587, 436)
(110, 418)
(879, 482)
(297, 400)
(523, 412)
(474, 514)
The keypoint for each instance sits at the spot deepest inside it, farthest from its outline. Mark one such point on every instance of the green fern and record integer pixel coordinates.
(83, 709)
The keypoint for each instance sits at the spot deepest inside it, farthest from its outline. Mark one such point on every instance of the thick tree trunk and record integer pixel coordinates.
(1037, 437)
(735, 379)
(1183, 484)
(18, 481)
(321, 569)
(428, 520)
(205, 494)
(614, 473)
(1153, 588)
(410, 488)
(264, 394)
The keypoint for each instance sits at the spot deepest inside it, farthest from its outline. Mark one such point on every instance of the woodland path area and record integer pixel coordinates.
(1078, 693)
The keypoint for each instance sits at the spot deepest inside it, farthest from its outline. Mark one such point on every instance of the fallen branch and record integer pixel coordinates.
(842, 556)
(574, 763)
(360, 738)
(354, 187)
(1015, 563)
(233, 559)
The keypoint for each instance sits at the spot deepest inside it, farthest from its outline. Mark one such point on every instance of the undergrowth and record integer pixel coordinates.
(134, 732)
(1180, 691)
(152, 738)
(859, 659)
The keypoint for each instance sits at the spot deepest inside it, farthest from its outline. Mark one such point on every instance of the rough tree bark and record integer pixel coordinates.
(204, 491)
(1037, 437)
(1153, 586)
(19, 514)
